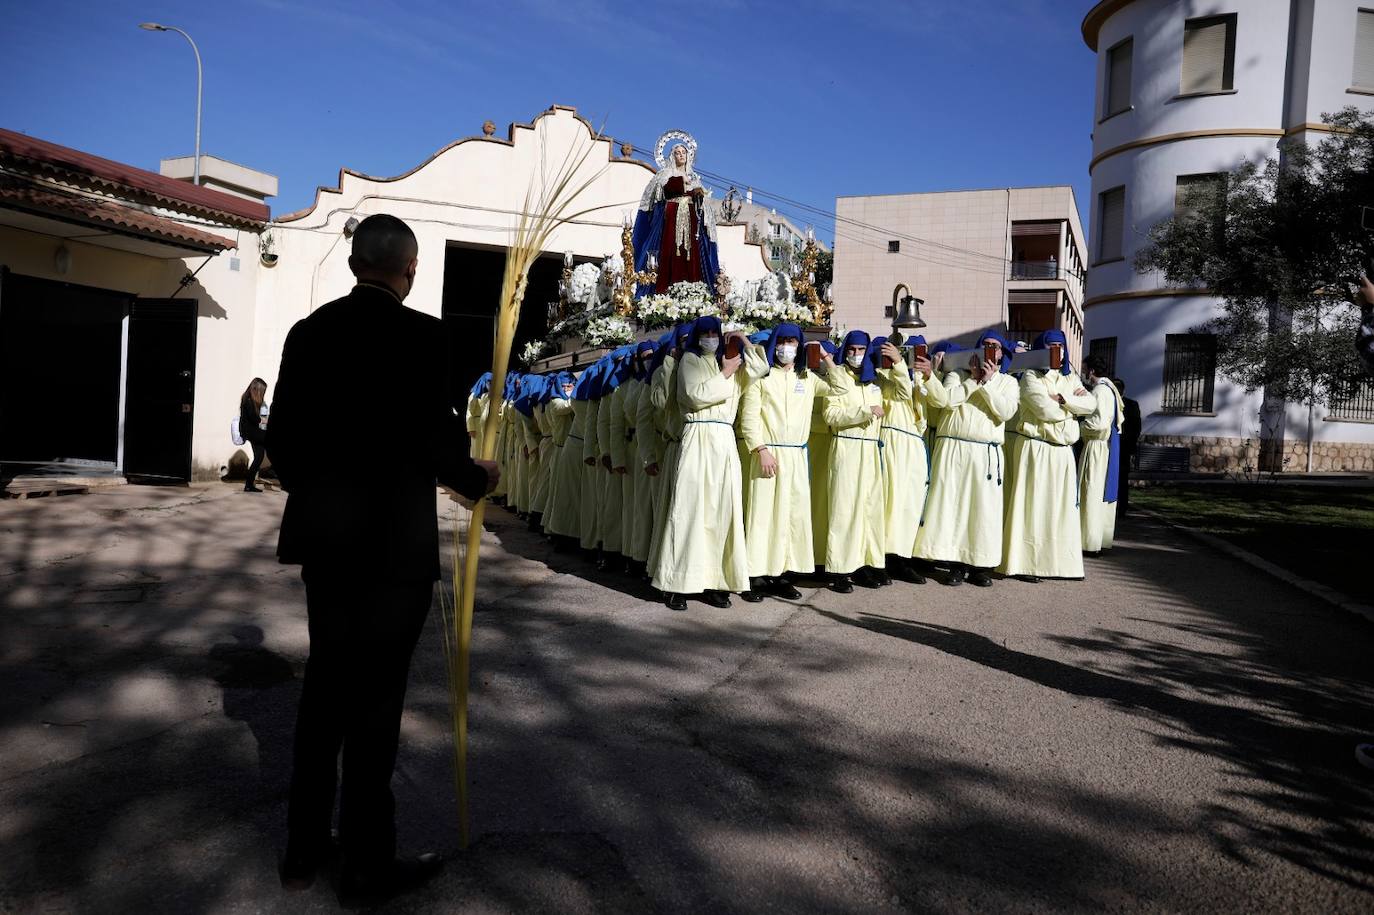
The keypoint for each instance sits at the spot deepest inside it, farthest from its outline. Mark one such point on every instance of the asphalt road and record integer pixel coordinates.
(1174, 733)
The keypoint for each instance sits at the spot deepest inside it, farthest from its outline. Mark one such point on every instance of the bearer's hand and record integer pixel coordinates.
(923, 366)
(590, 462)
(493, 473)
(877, 411)
(1060, 399)
(527, 452)
(619, 471)
(987, 371)
(891, 353)
(606, 461)
(768, 465)
(731, 365)
(1366, 291)
(1080, 393)
(651, 469)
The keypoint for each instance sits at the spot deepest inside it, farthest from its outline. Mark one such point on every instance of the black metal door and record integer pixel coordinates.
(159, 393)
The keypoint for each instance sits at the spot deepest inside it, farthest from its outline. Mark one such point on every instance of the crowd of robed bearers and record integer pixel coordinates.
(713, 463)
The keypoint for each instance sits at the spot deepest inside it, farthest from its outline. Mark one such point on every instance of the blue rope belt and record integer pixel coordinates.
(861, 438)
(895, 429)
(716, 422)
(991, 446)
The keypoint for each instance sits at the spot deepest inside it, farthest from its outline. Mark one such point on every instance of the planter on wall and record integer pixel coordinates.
(269, 260)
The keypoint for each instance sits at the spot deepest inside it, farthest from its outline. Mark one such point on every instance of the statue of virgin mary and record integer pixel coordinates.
(675, 222)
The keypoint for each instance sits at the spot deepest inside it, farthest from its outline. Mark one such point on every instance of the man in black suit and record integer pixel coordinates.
(369, 552)
(1130, 437)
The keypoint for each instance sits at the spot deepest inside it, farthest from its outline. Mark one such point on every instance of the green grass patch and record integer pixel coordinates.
(1325, 534)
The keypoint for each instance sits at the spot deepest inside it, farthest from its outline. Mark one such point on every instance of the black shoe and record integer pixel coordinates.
(781, 587)
(904, 572)
(955, 577)
(751, 596)
(717, 599)
(841, 584)
(980, 579)
(249, 487)
(1093, 554)
(1029, 579)
(676, 602)
(370, 888)
(865, 578)
(881, 577)
(602, 562)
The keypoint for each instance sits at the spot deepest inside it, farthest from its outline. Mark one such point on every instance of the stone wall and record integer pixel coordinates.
(1234, 455)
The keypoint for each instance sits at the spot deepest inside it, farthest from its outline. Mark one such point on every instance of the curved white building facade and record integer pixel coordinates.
(1188, 89)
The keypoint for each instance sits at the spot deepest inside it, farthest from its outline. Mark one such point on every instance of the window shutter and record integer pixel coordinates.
(1197, 192)
(1207, 47)
(1364, 50)
(1119, 77)
(1111, 224)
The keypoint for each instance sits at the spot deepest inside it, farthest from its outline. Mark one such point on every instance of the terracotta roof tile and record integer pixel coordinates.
(18, 195)
(117, 174)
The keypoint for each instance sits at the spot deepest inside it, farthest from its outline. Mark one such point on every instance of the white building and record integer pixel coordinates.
(1186, 90)
(149, 370)
(1006, 259)
(782, 240)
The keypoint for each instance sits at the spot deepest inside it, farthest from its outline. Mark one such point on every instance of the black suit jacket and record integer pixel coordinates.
(1130, 430)
(367, 372)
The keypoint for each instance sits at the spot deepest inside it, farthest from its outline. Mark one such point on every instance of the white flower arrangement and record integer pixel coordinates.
(772, 312)
(731, 327)
(574, 323)
(837, 334)
(535, 350)
(583, 283)
(609, 331)
(668, 309)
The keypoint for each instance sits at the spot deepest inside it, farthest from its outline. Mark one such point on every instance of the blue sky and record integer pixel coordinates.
(806, 99)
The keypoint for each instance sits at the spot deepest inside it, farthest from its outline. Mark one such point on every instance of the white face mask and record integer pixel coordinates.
(787, 353)
(855, 360)
(709, 345)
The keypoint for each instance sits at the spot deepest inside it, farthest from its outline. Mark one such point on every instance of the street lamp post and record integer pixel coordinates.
(155, 27)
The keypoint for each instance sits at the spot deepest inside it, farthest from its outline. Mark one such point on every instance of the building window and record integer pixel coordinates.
(1364, 50)
(1111, 223)
(1194, 193)
(1117, 95)
(1105, 348)
(1190, 368)
(1353, 400)
(1209, 55)
(777, 230)
(894, 247)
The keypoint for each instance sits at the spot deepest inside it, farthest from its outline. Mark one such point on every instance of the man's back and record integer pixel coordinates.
(367, 372)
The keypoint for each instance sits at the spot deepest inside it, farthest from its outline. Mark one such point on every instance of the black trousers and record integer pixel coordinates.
(259, 452)
(362, 635)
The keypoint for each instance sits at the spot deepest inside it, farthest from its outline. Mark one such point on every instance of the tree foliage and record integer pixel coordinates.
(1281, 243)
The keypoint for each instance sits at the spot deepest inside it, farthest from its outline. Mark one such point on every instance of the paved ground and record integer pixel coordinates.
(1175, 733)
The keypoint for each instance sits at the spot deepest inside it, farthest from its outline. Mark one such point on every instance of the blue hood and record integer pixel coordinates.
(858, 338)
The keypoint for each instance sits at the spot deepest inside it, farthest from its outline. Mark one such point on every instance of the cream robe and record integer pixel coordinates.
(1041, 529)
(904, 459)
(524, 449)
(476, 420)
(503, 411)
(611, 433)
(593, 476)
(663, 394)
(857, 525)
(963, 516)
(775, 412)
(564, 513)
(1099, 515)
(624, 454)
(703, 540)
(818, 448)
(648, 449)
(539, 489)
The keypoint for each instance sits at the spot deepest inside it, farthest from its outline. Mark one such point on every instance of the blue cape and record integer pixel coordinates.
(642, 347)
(859, 338)
(783, 330)
(556, 386)
(531, 390)
(1055, 336)
(664, 347)
(589, 385)
(481, 385)
(1113, 452)
(619, 369)
(1007, 347)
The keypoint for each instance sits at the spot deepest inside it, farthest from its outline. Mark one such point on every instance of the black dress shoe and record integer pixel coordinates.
(717, 599)
(780, 587)
(1029, 579)
(841, 584)
(751, 596)
(676, 602)
(249, 487)
(903, 572)
(299, 865)
(955, 577)
(881, 577)
(865, 578)
(980, 579)
(373, 887)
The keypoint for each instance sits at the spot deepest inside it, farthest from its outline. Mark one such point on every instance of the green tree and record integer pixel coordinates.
(1281, 243)
(825, 267)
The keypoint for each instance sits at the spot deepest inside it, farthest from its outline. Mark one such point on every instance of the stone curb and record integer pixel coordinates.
(1330, 595)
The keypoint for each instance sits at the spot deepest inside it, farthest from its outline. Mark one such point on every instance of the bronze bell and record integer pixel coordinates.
(906, 311)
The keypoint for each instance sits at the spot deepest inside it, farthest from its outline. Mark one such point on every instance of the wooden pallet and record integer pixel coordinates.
(37, 489)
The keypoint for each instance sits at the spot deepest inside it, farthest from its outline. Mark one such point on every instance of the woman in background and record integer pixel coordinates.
(253, 427)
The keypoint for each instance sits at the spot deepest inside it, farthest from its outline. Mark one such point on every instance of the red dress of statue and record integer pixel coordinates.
(679, 259)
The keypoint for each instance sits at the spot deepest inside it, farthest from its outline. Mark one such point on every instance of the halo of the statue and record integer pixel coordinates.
(687, 140)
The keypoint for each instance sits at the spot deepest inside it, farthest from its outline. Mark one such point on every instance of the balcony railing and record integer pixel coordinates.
(1035, 270)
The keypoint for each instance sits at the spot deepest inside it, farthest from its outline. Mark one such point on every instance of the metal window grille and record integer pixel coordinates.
(1190, 368)
(1104, 347)
(894, 247)
(1353, 400)
(1118, 94)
